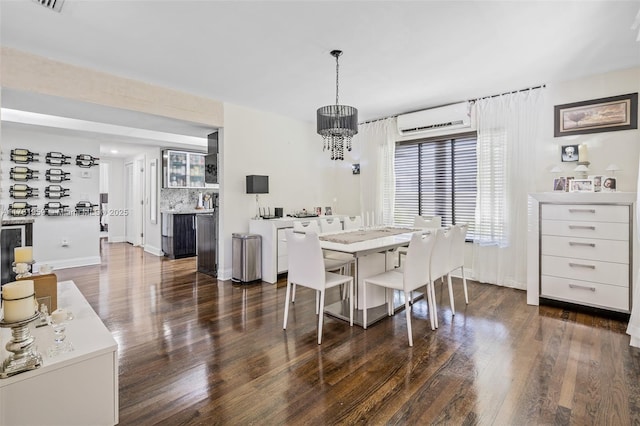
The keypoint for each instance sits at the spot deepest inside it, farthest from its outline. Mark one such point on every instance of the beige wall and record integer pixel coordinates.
(619, 147)
(35, 74)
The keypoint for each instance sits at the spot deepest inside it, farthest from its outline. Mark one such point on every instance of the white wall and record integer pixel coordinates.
(286, 150)
(619, 147)
(82, 232)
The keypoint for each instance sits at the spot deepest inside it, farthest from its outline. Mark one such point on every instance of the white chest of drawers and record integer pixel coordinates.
(585, 254)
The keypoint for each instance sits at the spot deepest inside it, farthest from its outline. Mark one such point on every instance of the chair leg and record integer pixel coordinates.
(320, 317)
(464, 285)
(293, 293)
(408, 312)
(286, 305)
(453, 305)
(435, 307)
(351, 302)
(364, 304)
(429, 297)
(317, 303)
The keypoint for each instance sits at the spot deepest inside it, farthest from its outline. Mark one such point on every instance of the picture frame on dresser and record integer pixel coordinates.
(560, 184)
(581, 185)
(608, 184)
(597, 182)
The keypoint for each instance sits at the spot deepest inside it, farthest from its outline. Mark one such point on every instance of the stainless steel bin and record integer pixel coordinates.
(246, 257)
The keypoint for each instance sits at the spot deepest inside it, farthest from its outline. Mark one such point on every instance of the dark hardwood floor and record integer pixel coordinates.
(194, 350)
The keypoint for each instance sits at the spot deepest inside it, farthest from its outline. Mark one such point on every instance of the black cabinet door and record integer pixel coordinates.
(184, 235)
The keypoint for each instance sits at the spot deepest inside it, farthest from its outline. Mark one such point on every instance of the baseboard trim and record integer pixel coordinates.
(153, 250)
(71, 263)
(120, 239)
(225, 274)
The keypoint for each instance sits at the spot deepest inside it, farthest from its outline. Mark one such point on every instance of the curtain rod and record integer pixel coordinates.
(468, 100)
(508, 93)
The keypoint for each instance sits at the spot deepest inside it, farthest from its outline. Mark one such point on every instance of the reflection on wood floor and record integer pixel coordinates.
(197, 351)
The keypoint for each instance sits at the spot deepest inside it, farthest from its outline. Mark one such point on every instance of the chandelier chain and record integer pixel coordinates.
(337, 77)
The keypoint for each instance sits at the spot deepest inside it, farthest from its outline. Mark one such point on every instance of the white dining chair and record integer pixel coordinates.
(351, 223)
(333, 261)
(456, 258)
(440, 267)
(427, 221)
(311, 225)
(421, 222)
(414, 274)
(306, 268)
(330, 225)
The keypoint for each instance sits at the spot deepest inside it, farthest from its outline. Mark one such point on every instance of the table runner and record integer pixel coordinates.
(364, 235)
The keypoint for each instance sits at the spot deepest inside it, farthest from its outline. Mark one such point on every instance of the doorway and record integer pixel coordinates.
(134, 201)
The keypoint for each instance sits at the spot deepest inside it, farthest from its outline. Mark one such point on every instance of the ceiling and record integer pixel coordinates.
(399, 56)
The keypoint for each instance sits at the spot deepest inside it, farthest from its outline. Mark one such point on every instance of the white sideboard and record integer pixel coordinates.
(274, 246)
(581, 249)
(75, 388)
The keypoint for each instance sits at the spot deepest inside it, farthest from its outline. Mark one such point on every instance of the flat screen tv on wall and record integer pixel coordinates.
(257, 184)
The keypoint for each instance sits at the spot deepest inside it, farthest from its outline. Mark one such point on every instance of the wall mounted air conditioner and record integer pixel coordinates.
(445, 119)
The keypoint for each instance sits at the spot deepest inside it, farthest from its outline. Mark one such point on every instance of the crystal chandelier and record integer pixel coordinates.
(337, 123)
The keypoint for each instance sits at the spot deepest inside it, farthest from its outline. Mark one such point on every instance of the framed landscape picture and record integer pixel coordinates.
(597, 115)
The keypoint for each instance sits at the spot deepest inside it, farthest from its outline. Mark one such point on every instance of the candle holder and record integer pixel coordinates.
(23, 269)
(25, 357)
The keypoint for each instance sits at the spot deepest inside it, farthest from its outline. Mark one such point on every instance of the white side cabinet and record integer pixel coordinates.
(74, 388)
(274, 245)
(585, 250)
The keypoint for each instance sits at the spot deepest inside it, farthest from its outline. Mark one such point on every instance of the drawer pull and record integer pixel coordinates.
(582, 210)
(582, 265)
(592, 228)
(582, 287)
(573, 243)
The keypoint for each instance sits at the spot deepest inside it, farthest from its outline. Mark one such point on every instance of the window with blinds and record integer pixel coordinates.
(436, 178)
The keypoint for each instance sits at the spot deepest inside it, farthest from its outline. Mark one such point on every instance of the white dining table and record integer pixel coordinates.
(371, 256)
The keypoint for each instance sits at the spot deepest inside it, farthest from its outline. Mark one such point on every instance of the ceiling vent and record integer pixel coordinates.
(440, 119)
(55, 5)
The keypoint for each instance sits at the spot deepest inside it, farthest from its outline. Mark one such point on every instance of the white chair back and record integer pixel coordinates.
(330, 225)
(441, 252)
(312, 225)
(351, 223)
(427, 222)
(305, 259)
(416, 267)
(456, 258)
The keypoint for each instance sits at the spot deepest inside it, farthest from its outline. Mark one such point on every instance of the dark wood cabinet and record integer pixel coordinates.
(178, 235)
(207, 226)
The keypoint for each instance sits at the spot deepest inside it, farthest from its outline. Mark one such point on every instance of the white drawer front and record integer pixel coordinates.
(601, 230)
(586, 212)
(586, 248)
(586, 270)
(282, 242)
(585, 293)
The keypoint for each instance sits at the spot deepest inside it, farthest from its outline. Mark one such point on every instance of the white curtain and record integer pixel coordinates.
(633, 329)
(377, 179)
(507, 135)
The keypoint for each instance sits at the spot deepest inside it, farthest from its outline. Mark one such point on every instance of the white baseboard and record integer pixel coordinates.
(225, 274)
(71, 263)
(118, 239)
(153, 250)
